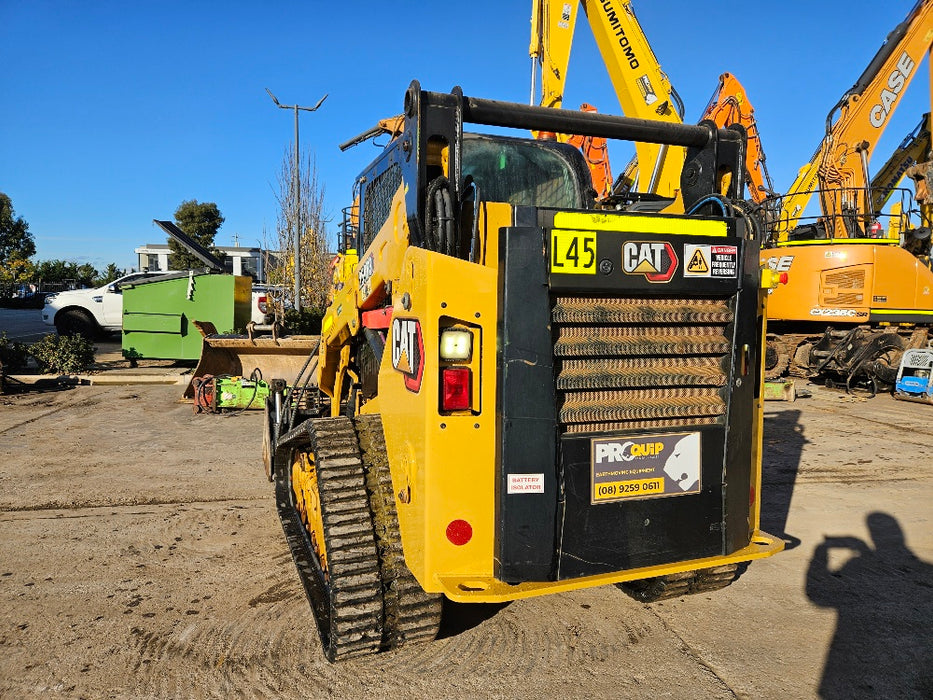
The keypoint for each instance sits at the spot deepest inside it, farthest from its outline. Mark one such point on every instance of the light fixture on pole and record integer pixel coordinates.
(297, 251)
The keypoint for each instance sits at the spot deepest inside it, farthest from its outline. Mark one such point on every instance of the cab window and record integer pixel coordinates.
(520, 172)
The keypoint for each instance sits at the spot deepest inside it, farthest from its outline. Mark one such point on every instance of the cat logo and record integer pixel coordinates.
(656, 261)
(408, 351)
(698, 264)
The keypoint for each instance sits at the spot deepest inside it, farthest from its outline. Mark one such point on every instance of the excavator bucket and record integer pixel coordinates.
(275, 357)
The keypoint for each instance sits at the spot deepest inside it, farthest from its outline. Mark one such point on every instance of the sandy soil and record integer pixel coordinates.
(142, 557)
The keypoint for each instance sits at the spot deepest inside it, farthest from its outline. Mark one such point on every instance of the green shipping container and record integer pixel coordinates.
(158, 315)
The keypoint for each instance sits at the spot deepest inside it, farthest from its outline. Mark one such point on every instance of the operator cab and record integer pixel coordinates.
(525, 172)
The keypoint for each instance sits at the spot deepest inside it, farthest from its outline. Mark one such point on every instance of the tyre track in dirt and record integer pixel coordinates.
(165, 573)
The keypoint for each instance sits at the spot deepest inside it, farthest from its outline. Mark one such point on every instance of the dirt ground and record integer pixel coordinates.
(142, 557)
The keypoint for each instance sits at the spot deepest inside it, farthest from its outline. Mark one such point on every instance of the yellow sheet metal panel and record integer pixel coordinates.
(847, 282)
(488, 590)
(442, 465)
(669, 225)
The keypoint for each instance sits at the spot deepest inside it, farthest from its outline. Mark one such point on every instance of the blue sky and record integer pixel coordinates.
(115, 112)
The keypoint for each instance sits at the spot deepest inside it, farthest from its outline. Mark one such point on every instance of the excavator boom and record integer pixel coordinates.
(730, 105)
(641, 86)
(643, 89)
(839, 167)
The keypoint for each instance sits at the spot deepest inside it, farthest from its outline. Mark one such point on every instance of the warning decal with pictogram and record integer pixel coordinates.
(698, 264)
(711, 260)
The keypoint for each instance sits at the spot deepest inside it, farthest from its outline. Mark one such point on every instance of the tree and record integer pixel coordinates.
(315, 249)
(200, 221)
(111, 273)
(56, 271)
(16, 270)
(15, 239)
(85, 274)
(65, 272)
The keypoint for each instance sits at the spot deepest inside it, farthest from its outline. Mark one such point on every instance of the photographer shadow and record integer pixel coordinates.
(883, 644)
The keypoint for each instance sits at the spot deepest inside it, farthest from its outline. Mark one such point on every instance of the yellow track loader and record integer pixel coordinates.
(517, 394)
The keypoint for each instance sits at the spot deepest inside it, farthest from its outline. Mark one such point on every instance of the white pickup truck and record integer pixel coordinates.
(95, 312)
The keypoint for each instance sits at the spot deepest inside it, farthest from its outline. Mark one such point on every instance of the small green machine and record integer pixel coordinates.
(159, 314)
(216, 394)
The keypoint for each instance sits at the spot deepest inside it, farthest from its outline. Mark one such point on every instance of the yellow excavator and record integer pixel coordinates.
(644, 91)
(859, 292)
(517, 393)
(914, 149)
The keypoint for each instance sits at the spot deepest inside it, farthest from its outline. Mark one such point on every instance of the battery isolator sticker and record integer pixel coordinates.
(644, 466)
(526, 483)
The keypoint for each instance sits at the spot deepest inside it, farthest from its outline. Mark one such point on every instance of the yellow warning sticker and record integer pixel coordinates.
(698, 264)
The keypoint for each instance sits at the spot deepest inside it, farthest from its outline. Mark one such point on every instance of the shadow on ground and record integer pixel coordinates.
(782, 453)
(457, 618)
(883, 595)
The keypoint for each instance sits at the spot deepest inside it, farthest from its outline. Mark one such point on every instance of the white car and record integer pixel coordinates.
(93, 312)
(90, 312)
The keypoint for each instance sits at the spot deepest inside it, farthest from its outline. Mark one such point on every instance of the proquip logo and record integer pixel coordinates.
(408, 351)
(656, 261)
(627, 451)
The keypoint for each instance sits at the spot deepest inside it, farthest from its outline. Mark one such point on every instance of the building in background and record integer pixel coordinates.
(239, 260)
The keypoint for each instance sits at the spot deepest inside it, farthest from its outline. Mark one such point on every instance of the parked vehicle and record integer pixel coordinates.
(90, 312)
(96, 312)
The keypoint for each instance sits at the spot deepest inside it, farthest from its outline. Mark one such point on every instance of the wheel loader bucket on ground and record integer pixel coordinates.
(240, 355)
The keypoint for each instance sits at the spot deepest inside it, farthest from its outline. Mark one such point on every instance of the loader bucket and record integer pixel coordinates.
(239, 355)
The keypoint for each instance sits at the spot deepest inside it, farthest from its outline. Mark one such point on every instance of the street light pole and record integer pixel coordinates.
(297, 178)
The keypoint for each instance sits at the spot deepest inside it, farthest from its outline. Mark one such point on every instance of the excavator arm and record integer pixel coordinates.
(643, 89)
(839, 167)
(641, 86)
(913, 149)
(730, 105)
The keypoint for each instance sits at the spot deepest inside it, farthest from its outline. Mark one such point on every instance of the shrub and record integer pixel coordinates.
(63, 354)
(13, 354)
(304, 322)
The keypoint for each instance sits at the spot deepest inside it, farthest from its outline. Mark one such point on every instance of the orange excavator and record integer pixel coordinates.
(730, 105)
(859, 292)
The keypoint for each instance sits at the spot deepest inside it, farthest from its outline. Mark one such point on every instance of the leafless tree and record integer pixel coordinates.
(316, 251)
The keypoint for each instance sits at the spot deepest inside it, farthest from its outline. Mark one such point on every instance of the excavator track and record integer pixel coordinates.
(651, 590)
(341, 576)
(777, 359)
(411, 615)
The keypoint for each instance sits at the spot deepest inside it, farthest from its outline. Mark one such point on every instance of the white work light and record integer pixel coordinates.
(456, 344)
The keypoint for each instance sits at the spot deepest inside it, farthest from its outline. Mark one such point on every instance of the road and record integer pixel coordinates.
(24, 325)
(142, 557)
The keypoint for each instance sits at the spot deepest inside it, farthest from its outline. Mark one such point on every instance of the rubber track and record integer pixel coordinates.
(411, 615)
(782, 360)
(685, 583)
(347, 601)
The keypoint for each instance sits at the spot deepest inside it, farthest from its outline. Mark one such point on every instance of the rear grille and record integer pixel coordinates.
(640, 363)
(843, 288)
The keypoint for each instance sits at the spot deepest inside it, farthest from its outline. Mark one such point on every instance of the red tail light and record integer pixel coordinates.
(456, 390)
